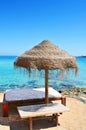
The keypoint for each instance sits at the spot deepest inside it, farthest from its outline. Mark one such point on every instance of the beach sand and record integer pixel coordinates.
(74, 119)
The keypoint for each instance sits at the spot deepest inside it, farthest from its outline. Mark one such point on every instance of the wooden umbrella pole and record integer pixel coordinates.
(46, 86)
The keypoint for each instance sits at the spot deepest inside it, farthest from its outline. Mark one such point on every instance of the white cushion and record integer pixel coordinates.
(29, 93)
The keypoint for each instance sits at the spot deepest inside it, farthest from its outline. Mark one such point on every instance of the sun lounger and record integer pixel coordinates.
(32, 96)
(41, 110)
(4, 127)
(36, 94)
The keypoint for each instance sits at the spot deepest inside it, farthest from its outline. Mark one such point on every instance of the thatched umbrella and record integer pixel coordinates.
(46, 56)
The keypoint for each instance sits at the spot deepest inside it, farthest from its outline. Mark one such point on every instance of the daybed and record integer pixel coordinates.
(29, 96)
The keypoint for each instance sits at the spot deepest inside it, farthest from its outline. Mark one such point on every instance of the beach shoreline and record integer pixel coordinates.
(78, 93)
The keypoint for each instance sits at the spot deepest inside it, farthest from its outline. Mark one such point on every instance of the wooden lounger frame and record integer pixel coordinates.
(41, 110)
(6, 104)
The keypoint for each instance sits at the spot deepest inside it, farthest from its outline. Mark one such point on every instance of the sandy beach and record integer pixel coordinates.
(74, 119)
(42, 60)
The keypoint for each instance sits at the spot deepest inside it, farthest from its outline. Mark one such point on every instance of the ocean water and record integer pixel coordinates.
(11, 78)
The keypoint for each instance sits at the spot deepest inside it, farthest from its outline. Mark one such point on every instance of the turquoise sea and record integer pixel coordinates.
(11, 78)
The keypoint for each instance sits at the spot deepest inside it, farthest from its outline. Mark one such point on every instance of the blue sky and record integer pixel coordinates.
(25, 23)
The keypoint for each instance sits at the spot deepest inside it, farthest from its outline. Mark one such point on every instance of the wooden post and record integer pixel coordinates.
(30, 123)
(56, 119)
(63, 101)
(46, 86)
(5, 109)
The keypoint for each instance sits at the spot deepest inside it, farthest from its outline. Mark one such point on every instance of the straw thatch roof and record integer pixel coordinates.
(46, 56)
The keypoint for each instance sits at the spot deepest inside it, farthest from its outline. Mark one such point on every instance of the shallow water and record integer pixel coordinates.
(11, 78)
